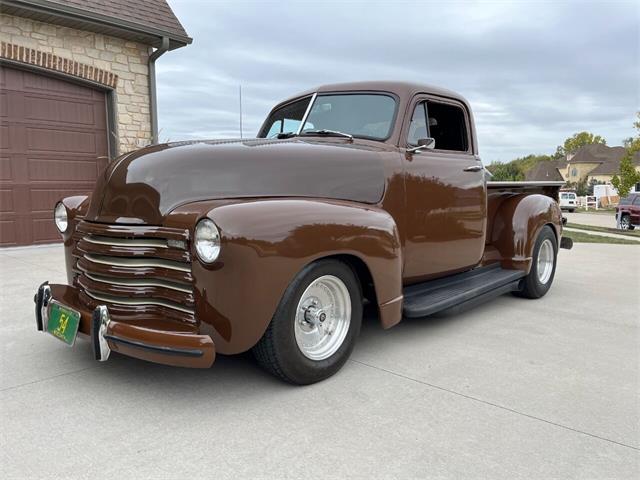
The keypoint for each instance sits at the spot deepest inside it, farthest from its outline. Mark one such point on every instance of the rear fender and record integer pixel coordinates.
(517, 224)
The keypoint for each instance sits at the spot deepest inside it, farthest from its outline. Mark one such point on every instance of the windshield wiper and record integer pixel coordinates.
(282, 135)
(328, 132)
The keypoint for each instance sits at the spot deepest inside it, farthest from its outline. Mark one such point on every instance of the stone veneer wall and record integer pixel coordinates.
(80, 50)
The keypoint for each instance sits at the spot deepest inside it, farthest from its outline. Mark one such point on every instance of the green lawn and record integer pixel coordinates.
(630, 233)
(579, 237)
(600, 211)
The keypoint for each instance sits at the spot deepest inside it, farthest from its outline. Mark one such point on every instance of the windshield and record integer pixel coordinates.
(358, 114)
(365, 115)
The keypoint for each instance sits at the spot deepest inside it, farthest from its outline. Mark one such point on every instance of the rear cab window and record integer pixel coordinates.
(444, 122)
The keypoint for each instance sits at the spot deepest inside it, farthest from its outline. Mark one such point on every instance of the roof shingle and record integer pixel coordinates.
(154, 13)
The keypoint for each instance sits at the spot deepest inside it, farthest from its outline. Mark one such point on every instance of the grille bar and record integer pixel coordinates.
(123, 242)
(136, 269)
(132, 231)
(137, 262)
(135, 282)
(132, 301)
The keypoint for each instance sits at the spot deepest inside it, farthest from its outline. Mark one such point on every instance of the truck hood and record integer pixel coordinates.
(145, 185)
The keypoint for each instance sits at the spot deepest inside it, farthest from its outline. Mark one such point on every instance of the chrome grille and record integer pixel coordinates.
(135, 269)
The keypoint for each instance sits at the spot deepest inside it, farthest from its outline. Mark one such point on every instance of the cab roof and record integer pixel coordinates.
(404, 90)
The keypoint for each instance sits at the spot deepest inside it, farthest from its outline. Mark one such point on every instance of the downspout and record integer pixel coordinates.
(153, 104)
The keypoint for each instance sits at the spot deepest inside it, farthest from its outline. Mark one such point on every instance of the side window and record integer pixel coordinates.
(418, 125)
(447, 126)
(285, 119)
(636, 200)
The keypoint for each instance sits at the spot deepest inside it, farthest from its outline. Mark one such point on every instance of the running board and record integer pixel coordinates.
(460, 290)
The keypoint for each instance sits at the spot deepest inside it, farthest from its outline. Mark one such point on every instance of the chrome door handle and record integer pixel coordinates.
(474, 168)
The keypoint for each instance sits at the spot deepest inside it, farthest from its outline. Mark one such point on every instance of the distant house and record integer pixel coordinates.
(595, 162)
(592, 162)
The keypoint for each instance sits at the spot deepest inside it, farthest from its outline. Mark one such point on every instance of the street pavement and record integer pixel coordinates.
(514, 389)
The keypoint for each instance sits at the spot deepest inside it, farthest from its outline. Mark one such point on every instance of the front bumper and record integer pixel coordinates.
(106, 334)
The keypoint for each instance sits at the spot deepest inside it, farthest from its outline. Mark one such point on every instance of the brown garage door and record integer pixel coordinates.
(51, 135)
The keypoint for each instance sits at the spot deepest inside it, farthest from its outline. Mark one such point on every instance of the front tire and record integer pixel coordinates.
(315, 326)
(543, 269)
(625, 222)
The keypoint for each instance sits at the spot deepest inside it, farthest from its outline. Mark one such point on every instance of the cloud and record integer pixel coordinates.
(534, 72)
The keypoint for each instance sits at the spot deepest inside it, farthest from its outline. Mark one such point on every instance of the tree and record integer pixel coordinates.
(580, 187)
(628, 176)
(578, 140)
(592, 183)
(505, 172)
(559, 153)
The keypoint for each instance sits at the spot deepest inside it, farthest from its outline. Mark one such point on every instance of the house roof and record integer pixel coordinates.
(611, 166)
(544, 170)
(145, 21)
(607, 158)
(597, 153)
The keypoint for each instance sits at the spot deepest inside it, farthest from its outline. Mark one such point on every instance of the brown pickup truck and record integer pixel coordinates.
(353, 194)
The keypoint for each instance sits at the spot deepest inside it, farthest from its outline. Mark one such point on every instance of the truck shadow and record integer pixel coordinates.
(238, 375)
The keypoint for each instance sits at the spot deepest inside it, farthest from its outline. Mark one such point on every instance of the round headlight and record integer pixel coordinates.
(207, 240)
(60, 217)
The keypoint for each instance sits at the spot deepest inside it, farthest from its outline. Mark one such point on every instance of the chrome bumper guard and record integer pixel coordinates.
(99, 322)
(43, 295)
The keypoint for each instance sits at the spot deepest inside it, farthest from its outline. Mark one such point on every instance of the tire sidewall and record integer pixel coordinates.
(293, 362)
(542, 288)
(625, 220)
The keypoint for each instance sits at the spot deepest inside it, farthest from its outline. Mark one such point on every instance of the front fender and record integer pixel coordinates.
(517, 223)
(265, 243)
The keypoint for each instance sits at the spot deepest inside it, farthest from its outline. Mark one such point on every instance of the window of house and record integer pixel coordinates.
(443, 122)
(286, 119)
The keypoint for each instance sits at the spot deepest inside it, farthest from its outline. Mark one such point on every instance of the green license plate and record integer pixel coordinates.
(63, 322)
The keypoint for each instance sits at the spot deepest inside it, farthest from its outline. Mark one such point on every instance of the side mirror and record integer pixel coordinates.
(423, 144)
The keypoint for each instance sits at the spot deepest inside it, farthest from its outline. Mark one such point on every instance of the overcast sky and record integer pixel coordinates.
(535, 72)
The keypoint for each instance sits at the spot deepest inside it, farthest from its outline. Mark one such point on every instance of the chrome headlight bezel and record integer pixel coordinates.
(61, 217)
(206, 239)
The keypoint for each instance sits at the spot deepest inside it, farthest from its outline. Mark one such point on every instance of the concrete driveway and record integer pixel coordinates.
(513, 389)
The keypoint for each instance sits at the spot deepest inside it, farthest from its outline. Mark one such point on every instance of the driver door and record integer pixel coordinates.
(445, 192)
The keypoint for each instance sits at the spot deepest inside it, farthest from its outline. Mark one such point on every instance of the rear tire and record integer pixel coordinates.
(625, 222)
(543, 268)
(315, 326)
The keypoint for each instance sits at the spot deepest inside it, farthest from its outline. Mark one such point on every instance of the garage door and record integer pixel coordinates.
(51, 135)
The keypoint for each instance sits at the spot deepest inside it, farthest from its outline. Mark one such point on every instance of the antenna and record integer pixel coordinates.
(240, 95)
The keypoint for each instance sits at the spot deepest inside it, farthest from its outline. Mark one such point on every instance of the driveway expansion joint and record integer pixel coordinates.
(495, 405)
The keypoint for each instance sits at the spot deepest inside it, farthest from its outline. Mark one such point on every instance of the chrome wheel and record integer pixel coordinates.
(546, 258)
(322, 317)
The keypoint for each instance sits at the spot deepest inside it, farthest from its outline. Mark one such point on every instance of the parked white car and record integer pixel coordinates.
(568, 201)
